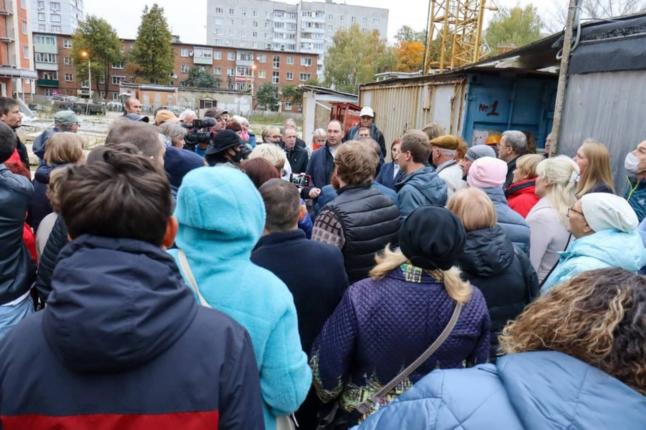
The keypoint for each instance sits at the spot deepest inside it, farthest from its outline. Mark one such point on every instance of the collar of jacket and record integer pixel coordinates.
(353, 187)
(445, 165)
(409, 273)
(519, 186)
(280, 237)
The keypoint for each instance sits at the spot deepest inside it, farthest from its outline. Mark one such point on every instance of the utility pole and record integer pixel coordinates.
(572, 20)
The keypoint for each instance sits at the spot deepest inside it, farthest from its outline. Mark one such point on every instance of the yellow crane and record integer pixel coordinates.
(458, 26)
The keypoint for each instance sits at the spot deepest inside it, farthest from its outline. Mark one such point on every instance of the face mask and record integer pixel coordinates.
(631, 163)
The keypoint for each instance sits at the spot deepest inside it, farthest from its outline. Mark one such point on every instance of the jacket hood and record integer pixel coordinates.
(487, 252)
(613, 247)
(425, 180)
(496, 194)
(115, 304)
(527, 186)
(220, 212)
(551, 387)
(43, 172)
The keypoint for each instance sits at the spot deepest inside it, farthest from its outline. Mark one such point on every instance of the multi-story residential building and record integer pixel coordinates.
(301, 27)
(17, 76)
(55, 16)
(234, 69)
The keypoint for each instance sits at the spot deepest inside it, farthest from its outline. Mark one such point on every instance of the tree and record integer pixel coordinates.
(292, 94)
(513, 28)
(99, 41)
(410, 56)
(267, 96)
(199, 77)
(407, 34)
(592, 9)
(152, 58)
(355, 57)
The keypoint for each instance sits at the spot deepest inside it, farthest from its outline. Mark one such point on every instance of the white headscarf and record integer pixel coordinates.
(604, 211)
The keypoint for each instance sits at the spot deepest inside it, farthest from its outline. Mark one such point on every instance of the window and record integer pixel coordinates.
(184, 68)
(56, 29)
(55, 6)
(290, 76)
(231, 72)
(49, 91)
(217, 70)
(45, 40)
(42, 57)
(25, 52)
(69, 77)
(254, 34)
(217, 55)
(231, 11)
(117, 65)
(183, 52)
(116, 80)
(243, 71)
(262, 74)
(306, 61)
(67, 43)
(55, 17)
(262, 58)
(41, 5)
(67, 61)
(41, 17)
(115, 96)
(41, 27)
(305, 77)
(245, 56)
(24, 27)
(276, 62)
(290, 59)
(275, 77)
(255, 23)
(287, 105)
(219, 11)
(231, 56)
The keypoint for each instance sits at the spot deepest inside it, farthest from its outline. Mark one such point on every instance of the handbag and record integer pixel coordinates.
(283, 422)
(377, 400)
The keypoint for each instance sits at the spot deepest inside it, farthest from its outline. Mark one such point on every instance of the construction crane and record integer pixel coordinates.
(458, 25)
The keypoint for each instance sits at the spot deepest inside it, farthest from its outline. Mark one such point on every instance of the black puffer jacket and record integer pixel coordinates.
(503, 274)
(55, 243)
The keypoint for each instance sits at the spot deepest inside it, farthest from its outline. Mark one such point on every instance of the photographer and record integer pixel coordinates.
(225, 148)
(199, 135)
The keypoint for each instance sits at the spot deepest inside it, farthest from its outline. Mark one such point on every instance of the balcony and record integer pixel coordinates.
(5, 38)
(48, 83)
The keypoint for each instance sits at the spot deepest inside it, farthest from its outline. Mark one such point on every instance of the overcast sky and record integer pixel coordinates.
(188, 18)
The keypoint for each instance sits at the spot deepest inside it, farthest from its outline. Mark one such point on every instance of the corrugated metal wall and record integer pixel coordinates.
(400, 107)
(609, 107)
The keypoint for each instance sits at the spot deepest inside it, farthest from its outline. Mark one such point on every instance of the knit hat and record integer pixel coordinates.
(222, 141)
(605, 211)
(487, 172)
(432, 238)
(163, 116)
(479, 151)
(446, 142)
(65, 117)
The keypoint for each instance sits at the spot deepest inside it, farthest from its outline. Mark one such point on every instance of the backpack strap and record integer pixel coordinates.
(188, 273)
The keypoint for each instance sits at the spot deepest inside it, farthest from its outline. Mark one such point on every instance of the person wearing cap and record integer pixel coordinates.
(66, 121)
(385, 322)
(421, 186)
(367, 120)
(488, 174)
(444, 150)
(164, 115)
(605, 230)
(473, 153)
(225, 148)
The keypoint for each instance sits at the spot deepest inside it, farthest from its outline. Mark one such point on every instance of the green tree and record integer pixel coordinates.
(407, 34)
(267, 96)
(199, 77)
(95, 40)
(511, 28)
(292, 94)
(152, 58)
(355, 57)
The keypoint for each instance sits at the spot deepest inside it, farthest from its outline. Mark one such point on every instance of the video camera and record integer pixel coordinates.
(301, 180)
(199, 133)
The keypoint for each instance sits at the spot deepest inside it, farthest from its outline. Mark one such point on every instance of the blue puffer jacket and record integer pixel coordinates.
(421, 188)
(606, 248)
(221, 216)
(527, 391)
(511, 222)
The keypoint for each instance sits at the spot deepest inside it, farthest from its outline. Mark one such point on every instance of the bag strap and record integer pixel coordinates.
(186, 269)
(365, 407)
(558, 260)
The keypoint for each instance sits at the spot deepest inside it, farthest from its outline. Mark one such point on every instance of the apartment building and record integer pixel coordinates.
(55, 16)
(302, 27)
(238, 70)
(17, 76)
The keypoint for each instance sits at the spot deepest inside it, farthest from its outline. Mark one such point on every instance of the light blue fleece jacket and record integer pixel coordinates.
(221, 216)
(606, 248)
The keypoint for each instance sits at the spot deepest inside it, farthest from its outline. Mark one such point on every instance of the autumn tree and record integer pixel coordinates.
(355, 57)
(511, 28)
(410, 56)
(152, 58)
(95, 40)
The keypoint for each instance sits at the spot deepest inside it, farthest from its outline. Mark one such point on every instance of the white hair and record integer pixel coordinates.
(187, 113)
(319, 133)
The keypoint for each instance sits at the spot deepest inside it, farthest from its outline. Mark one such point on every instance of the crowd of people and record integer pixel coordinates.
(190, 274)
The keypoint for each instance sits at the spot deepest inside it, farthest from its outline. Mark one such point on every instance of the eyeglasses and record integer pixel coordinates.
(570, 210)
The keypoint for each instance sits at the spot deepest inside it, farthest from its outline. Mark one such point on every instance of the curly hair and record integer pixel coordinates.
(598, 317)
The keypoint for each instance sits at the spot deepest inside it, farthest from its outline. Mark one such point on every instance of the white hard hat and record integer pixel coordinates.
(367, 111)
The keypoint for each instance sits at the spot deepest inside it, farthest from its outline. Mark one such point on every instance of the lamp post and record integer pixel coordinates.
(85, 54)
(253, 78)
